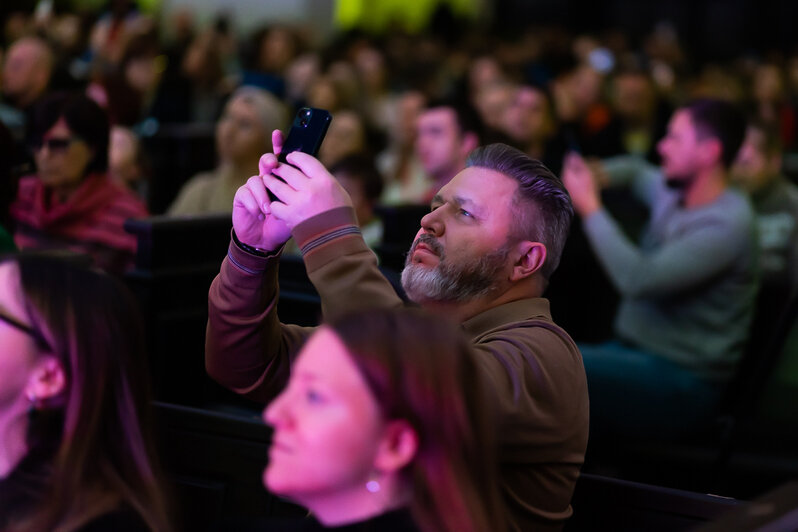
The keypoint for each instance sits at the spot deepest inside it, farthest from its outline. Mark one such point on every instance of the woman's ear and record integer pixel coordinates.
(398, 447)
(47, 380)
(531, 257)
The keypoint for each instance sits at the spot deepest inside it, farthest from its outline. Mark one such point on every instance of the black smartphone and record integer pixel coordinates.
(306, 134)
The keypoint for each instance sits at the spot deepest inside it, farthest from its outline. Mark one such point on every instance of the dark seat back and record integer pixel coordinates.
(214, 460)
(603, 503)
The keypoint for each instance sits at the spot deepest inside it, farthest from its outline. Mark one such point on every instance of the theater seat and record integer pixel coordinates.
(602, 503)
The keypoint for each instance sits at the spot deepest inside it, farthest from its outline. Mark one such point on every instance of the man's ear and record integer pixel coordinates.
(531, 257)
(47, 380)
(398, 447)
(470, 141)
(712, 152)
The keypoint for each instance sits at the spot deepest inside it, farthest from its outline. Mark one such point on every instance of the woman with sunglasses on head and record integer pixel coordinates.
(383, 426)
(70, 202)
(75, 449)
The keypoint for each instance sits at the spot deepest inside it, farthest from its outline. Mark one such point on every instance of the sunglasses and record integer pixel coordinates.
(27, 329)
(53, 143)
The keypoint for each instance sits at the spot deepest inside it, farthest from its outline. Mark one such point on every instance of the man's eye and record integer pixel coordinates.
(465, 213)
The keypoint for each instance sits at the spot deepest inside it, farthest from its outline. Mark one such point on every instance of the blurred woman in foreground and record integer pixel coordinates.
(76, 450)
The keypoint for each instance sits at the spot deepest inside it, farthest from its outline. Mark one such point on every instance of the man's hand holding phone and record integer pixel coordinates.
(253, 221)
(303, 188)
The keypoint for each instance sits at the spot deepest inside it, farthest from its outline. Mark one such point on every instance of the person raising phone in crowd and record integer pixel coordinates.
(482, 258)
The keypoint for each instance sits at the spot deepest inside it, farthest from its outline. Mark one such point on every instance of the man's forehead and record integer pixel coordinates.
(438, 114)
(479, 185)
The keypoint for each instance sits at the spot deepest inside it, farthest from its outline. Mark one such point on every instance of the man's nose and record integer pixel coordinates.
(432, 223)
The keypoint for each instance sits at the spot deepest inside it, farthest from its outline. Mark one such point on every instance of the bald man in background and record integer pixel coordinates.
(27, 71)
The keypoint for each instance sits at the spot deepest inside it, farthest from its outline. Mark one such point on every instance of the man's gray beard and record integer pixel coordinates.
(454, 282)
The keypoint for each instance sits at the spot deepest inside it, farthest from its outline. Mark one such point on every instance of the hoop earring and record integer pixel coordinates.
(373, 486)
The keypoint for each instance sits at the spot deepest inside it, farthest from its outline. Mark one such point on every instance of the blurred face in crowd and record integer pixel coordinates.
(62, 158)
(346, 135)
(240, 136)
(25, 71)
(122, 156)
(492, 102)
(461, 251)
(768, 83)
(527, 118)
(439, 142)
(484, 71)
(144, 73)
(754, 167)
(408, 108)
(634, 98)
(327, 426)
(681, 149)
(276, 50)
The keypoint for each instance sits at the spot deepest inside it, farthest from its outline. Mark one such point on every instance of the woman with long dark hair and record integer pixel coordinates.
(75, 450)
(384, 425)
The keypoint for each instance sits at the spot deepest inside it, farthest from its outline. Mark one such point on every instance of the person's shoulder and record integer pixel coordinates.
(201, 180)
(195, 193)
(125, 200)
(523, 322)
(27, 185)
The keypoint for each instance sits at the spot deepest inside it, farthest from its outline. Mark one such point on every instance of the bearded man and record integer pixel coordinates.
(482, 257)
(687, 287)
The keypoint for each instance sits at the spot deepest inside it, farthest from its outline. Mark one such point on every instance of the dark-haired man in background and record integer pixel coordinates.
(687, 289)
(446, 132)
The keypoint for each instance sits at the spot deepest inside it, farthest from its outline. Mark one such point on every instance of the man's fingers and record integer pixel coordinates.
(280, 210)
(258, 190)
(267, 163)
(245, 199)
(309, 165)
(291, 175)
(277, 141)
(279, 188)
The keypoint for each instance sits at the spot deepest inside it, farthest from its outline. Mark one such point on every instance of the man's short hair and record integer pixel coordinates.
(722, 120)
(467, 117)
(543, 208)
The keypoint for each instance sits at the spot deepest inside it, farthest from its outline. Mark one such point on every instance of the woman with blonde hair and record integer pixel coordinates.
(243, 134)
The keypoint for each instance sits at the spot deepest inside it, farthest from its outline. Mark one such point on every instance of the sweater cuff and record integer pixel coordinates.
(247, 262)
(338, 226)
(308, 233)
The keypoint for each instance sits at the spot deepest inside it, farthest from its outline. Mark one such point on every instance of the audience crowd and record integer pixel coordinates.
(506, 137)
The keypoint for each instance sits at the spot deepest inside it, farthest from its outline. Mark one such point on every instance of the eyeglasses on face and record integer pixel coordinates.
(54, 144)
(27, 329)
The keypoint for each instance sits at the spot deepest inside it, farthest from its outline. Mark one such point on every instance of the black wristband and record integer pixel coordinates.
(249, 249)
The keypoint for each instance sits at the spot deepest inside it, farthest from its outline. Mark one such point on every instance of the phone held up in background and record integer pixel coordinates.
(306, 134)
